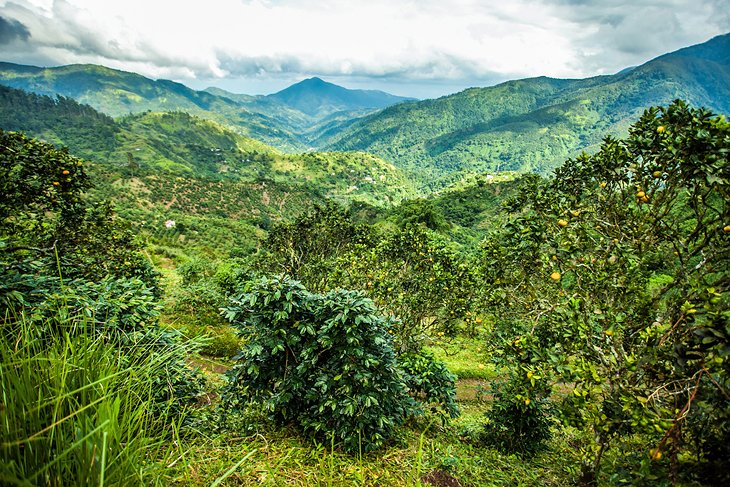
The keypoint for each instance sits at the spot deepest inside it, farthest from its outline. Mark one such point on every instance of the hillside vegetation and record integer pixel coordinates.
(588, 327)
(528, 125)
(535, 124)
(183, 304)
(180, 144)
(288, 120)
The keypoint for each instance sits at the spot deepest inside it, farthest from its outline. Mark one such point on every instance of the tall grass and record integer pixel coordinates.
(79, 408)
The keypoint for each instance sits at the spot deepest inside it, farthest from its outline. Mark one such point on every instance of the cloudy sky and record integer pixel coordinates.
(422, 48)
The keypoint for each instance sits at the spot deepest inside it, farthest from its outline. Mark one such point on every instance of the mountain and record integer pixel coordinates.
(534, 124)
(177, 144)
(318, 98)
(117, 93)
(288, 120)
(313, 108)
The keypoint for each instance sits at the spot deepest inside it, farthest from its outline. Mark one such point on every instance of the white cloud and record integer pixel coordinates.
(448, 41)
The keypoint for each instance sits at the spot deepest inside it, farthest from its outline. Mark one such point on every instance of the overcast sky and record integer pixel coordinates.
(423, 48)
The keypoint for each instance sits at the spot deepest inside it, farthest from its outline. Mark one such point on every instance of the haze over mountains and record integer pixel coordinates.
(523, 125)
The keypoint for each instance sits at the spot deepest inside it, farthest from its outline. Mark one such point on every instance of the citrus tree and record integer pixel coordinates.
(610, 280)
(46, 221)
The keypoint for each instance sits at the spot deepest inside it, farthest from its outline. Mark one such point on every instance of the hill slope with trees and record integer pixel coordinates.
(535, 124)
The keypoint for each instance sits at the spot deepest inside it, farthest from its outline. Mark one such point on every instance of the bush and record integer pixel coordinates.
(50, 302)
(430, 381)
(322, 362)
(518, 421)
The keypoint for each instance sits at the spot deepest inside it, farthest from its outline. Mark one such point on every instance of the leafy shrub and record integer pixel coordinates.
(123, 304)
(518, 421)
(431, 382)
(322, 362)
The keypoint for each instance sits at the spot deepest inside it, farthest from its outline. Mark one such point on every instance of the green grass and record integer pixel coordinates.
(256, 453)
(465, 357)
(78, 411)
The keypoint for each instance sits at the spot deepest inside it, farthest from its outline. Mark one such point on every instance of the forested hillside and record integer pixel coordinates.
(289, 119)
(179, 144)
(562, 330)
(535, 124)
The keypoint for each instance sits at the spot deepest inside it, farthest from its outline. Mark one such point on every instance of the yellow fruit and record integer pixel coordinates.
(603, 184)
(655, 454)
(575, 212)
(661, 129)
(554, 257)
(609, 333)
(56, 183)
(562, 223)
(644, 199)
(529, 375)
(640, 194)
(727, 228)
(66, 172)
(527, 401)
(555, 276)
(657, 174)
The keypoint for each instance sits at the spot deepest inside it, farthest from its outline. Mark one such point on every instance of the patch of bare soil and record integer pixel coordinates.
(440, 479)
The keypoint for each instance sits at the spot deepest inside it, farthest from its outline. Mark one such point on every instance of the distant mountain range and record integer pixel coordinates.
(286, 119)
(524, 125)
(535, 124)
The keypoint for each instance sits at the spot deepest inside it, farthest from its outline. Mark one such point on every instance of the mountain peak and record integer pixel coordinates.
(314, 80)
(317, 97)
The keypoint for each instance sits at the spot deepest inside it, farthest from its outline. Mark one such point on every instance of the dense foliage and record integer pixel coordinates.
(602, 292)
(411, 272)
(45, 221)
(89, 381)
(611, 280)
(324, 362)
